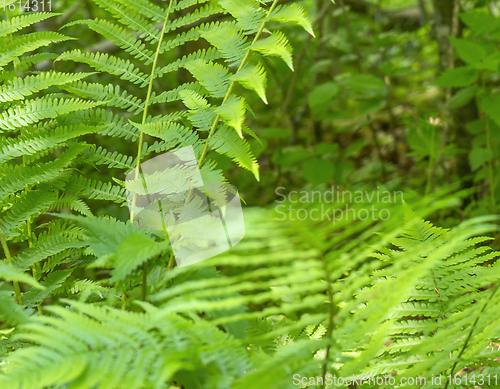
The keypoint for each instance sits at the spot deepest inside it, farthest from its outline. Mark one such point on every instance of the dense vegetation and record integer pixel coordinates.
(363, 137)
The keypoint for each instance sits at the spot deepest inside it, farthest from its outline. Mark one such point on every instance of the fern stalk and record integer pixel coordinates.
(30, 238)
(141, 138)
(9, 261)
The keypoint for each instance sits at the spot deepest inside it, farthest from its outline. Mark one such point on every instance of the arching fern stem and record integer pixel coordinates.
(141, 137)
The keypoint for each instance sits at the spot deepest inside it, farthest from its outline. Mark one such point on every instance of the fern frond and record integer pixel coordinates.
(228, 143)
(119, 37)
(100, 156)
(293, 13)
(209, 54)
(42, 108)
(17, 178)
(112, 94)
(18, 88)
(233, 113)
(26, 61)
(27, 43)
(193, 17)
(109, 64)
(10, 273)
(43, 140)
(96, 190)
(11, 313)
(275, 45)
(68, 202)
(229, 41)
(18, 22)
(201, 115)
(26, 206)
(211, 75)
(173, 94)
(129, 17)
(173, 134)
(51, 283)
(132, 252)
(247, 12)
(254, 78)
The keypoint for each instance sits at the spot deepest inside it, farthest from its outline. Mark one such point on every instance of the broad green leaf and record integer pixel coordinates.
(459, 77)
(291, 156)
(321, 98)
(318, 171)
(468, 51)
(478, 157)
(463, 96)
(479, 20)
(491, 107)
(363, 85)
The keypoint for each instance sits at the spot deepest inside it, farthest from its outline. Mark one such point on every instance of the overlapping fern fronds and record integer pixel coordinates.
(214, 111)
(32, 181)
(328, 305)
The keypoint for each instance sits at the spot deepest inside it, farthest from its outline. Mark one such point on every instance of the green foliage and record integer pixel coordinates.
(89, 300)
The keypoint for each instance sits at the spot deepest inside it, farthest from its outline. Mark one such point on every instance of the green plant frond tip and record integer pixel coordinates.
(275, 45)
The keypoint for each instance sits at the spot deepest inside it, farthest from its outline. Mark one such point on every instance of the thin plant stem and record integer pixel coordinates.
(490, 168)
(8, 257)
(430, 171)
(141, 139)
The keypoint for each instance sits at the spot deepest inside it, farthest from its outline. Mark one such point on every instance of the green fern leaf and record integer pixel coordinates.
(35, 110)
(18, 22)
(201, 115)
(212, 76)
(10, 273)
(228, 40)
(19, 88)
(233, 113)
(27, 43)
(119, 37)
(254, 78)
(247, 12)
(108, 63)
(293, 13)
(227, 142)
(31, 144)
